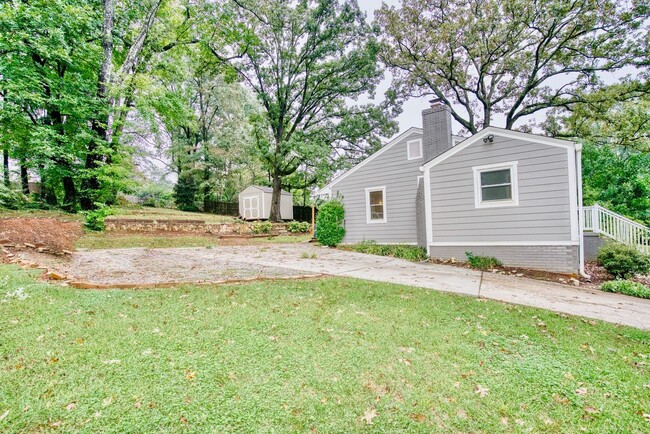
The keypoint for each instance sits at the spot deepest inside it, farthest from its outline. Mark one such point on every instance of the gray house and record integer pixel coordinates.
(500, 193)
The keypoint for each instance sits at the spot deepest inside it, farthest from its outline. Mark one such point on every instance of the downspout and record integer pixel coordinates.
(581, 216)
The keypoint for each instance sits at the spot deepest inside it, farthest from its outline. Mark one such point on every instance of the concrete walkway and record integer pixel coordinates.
(190, 264)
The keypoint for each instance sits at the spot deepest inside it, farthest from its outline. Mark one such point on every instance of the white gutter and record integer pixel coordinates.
(581, 217)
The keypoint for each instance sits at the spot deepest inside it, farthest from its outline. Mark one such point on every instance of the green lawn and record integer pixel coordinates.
(134, 212)
(309, 355)
(169, 214)
(112, 240)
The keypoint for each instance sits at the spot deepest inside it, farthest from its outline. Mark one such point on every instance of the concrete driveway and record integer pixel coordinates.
(159, 266)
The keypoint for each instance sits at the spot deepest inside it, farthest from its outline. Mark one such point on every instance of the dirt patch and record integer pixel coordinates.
(52, 234)
(138, 266)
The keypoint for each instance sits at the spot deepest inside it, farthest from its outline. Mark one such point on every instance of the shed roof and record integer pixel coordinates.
(264, 189)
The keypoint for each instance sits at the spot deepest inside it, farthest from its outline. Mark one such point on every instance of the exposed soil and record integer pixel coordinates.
(48, 233)
(140, 266)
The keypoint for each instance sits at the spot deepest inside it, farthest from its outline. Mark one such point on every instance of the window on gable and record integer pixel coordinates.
(496, 185)
(414, 149)
(376, 205)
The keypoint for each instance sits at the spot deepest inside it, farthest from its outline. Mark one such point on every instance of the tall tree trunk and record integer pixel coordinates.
(275, 198)
(24, 178)
(90, 184)
(69, 194)
(47, 194)
(5, 165)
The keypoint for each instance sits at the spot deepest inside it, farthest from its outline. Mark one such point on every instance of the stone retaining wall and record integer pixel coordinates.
(187, 226)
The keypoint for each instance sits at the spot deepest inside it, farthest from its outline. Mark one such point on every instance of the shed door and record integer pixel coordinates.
(251, 207)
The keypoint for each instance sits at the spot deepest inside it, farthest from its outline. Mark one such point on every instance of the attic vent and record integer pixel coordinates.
(414, 149)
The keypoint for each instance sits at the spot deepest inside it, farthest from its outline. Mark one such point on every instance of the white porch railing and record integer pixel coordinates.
(603, 221)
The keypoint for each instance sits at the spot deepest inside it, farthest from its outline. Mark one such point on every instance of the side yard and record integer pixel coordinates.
(323, 355)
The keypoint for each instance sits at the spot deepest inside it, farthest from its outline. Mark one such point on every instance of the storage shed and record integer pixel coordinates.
(255, 203)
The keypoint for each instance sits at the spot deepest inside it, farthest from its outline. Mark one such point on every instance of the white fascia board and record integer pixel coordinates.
(476, 138)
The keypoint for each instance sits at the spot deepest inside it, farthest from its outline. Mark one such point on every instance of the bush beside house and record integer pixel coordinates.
(329, 223)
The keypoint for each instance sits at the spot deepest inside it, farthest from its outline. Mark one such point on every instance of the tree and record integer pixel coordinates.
(616, 152)
(509, 58)
(200, 121)
(305, 61)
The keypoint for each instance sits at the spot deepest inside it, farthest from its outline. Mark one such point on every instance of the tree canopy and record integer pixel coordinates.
(510, 59)
(306, 61)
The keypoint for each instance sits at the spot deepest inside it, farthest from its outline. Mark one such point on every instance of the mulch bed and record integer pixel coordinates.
(597, 274)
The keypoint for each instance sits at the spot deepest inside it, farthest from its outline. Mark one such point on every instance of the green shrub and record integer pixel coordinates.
(298, 227)
(11, 199)
(185, 193)
(482, 262)
(156, 195)
(329, 223)
(402, 251)
(623, 261)
(262, 228)
(94, 220)
(627, 287)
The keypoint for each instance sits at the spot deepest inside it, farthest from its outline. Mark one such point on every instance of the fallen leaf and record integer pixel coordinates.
(407, 362)
(482, 391)
(519, 422)
(560, 399)
(56, 424)
(190, 375)
(137, 404)
(504, 421)
(71, 406)
(3, 415)
(419, 417)
(461, 414)
(369, 415)
(581, 391)
(183, 419)
(646, 416)
(591, 410)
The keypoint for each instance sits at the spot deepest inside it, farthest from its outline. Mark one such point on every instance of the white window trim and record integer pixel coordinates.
(478, 199)
(408, 149)
(383, 192)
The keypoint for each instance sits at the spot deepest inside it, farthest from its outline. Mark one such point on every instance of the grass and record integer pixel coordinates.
(134, 212)
(33, 213)
(294, 356)
(402, 251)
(169, 214)
(627, 287)
(112, 240)
(482, 262)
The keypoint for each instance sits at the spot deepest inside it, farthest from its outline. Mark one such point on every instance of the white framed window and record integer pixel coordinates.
(376, 205)
(495, 185)
(414, 149)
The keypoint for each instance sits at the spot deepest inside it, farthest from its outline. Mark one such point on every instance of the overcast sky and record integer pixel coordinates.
(411, 110)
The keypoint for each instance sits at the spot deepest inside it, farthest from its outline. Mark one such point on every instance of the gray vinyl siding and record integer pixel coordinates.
(544, 210)
(400, 177)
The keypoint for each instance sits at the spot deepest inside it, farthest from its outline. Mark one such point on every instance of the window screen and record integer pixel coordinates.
(376, 205)
(496, 185)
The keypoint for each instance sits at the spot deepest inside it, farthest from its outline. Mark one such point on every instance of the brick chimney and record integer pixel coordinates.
(436, 126)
